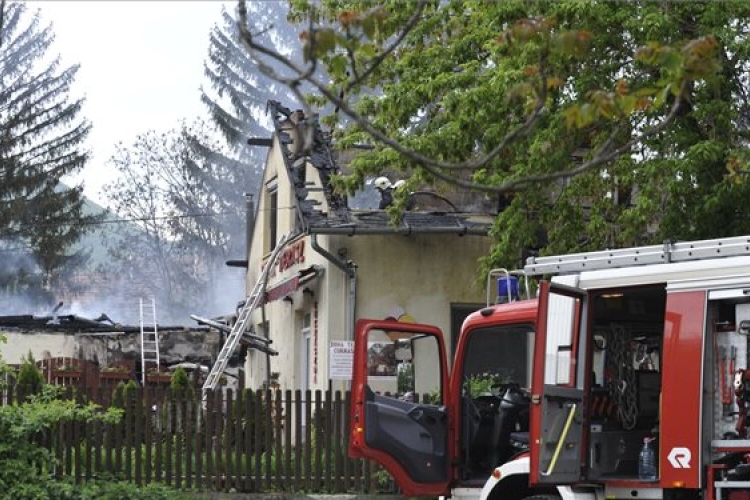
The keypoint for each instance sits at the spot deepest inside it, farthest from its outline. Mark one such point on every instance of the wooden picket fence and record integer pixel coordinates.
(244, 441)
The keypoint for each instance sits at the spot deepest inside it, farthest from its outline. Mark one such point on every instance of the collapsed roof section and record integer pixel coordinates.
(304, 145)
(71, 323)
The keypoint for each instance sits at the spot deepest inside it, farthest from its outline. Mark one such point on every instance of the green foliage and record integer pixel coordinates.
(405, 382)
(483, 383)
(49, 489)
(591, 76)
(29, 376)
(5, 370)
(26, 462)
(180, 380)
(40, 144)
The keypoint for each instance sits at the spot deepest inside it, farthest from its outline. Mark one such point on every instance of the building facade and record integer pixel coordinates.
(341, 262)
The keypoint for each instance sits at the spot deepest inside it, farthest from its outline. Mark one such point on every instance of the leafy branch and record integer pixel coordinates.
(631, 117)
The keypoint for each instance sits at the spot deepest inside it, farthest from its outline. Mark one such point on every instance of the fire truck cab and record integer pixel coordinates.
(557, 395)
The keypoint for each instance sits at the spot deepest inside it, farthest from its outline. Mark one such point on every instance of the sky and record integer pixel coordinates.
(141, 67)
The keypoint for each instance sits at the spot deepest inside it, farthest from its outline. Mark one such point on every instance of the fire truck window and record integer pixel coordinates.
(404, 365)
(496, 356)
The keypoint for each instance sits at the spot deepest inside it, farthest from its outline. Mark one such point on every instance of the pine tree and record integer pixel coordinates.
(41, 136)
(236, 99)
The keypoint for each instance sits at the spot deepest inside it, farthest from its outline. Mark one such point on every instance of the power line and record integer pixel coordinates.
(154, 218)
(125, 220)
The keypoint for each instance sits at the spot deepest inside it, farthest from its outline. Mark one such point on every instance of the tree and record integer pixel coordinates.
(237, 92)
(41, 137)
(29, 376)
(569, 111)
(236, 98)
(199, 176)
(174, 254)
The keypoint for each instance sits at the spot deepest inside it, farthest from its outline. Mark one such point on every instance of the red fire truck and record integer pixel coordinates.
(620, 358)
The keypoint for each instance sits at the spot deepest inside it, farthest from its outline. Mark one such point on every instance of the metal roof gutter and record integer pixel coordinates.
(406, 231)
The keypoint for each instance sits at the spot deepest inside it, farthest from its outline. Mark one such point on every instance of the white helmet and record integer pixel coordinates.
(399, 184)
(382, 183)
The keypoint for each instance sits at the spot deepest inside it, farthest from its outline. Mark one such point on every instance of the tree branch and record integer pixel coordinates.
(416, 157)
(603, 155)
(301, 74)
(410, 24)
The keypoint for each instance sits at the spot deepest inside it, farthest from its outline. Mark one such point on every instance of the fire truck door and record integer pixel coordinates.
(399, 416)
(557, 422)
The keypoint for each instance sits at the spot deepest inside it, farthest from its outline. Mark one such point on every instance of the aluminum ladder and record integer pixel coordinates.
(254, 300)
(149, 338)
(639, 256)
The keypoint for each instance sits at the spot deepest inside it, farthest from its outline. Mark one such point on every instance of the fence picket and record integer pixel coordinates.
(248, 455)
(278, 429)
(308, 441)
(138, 418)
(228, 430)
(298, 454)
(238, 441)
(128, 444)
(189, 436)
(287, 439)
(178, 397)
(148, 438)
(201, 425)
(328, 440)
(338, 438)
(259, 439)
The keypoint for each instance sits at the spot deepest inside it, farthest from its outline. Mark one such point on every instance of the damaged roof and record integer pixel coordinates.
(339, 217)
(71, 323)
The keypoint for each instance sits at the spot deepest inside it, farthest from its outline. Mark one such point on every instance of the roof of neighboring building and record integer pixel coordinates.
(71, 323)
(461, 213)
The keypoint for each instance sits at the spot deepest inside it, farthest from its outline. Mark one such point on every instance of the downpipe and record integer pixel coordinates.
(349, 268)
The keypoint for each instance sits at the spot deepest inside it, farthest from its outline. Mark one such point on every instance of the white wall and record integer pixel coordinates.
(414, 278)
(41, 345)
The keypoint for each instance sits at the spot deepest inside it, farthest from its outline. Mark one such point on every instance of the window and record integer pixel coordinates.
(305, 353)
(498, 355)
(272, 207)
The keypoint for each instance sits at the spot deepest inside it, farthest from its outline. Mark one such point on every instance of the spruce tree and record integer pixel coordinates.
(41, 137)
(236, 98)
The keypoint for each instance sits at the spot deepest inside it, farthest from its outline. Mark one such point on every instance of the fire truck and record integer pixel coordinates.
(616, 357)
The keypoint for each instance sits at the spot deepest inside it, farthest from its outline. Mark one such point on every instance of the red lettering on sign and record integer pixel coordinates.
(292, 256)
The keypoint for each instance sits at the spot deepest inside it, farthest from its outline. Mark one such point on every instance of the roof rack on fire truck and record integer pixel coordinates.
(639, 256)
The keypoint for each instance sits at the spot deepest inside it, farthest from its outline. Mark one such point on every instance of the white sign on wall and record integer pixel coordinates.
(340, 359)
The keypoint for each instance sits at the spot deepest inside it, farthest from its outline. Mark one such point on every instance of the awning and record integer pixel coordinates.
(293, 283)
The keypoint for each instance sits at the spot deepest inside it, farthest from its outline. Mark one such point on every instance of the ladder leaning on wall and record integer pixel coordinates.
(149, 338)
(254, 300)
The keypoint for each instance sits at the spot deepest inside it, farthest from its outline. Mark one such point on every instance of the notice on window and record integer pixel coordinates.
(341, 359)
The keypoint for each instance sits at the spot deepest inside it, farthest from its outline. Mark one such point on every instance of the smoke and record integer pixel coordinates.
(21, 282)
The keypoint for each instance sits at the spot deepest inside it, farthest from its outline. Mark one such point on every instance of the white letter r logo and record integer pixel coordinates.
(679, 458)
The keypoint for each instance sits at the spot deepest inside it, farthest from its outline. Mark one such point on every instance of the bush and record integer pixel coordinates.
(29, 375)
(26, 463)
(180, 380)
(49, 489)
